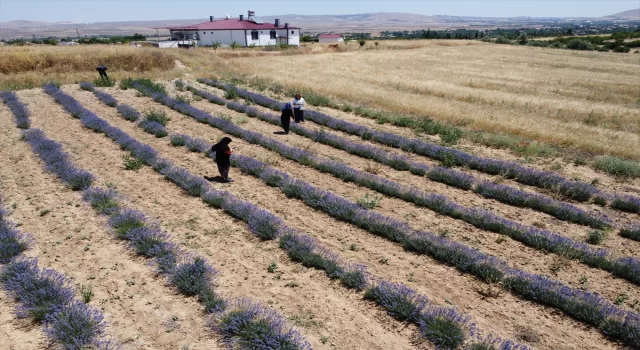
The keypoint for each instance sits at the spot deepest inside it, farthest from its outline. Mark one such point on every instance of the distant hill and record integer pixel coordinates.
(363, 22)
(628, 15)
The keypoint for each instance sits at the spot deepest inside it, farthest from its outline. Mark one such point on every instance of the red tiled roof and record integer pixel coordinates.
(330, 36)
(229, 24)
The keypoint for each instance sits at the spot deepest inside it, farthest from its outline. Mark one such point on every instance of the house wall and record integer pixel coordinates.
(331, 40)
(227, 37)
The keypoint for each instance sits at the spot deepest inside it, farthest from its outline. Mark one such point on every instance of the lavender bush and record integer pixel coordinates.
(631, 231)
(153, 127)
(76, 326)
(128, 113)
(445, 327)
(19, 109)
(39, 292)
(105, 201)
(627, 203)
(57, 161)
(194, 144)
(401, 302)
(193, 277)
(12, 241)
(544, 179)
(248, 325)
(179, 139)
(125, 221)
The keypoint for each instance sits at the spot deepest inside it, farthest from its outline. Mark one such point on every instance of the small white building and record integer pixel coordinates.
(251, 31)
(330, 38)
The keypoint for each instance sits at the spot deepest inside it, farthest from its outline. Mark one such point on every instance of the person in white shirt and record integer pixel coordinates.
(298, 108)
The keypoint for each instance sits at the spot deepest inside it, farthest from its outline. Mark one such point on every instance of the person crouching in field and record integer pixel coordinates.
(298, 108)
(286, 116)
(223, 157)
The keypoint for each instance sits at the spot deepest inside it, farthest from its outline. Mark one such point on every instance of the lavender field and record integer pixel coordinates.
(343, 234)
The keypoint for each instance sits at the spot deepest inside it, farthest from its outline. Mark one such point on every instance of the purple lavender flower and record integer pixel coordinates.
(153, 127)
(197, 145)
(125, 221)
(75, 326)
(12, 241)
(400, 301)
(627, 203)
(247, 325)
(19, 109)
(445, 327)
(193, 276)
(631, 231)
(105, 201)
(128, 113)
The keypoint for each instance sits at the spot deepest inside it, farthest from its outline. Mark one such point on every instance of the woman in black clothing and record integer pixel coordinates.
(286, 116)
(223, 157)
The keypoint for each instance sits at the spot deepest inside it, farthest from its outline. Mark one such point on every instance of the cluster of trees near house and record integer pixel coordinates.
(86, 40)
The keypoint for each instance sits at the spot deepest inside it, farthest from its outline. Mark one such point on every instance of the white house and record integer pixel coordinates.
(330, 38)
(244, 32)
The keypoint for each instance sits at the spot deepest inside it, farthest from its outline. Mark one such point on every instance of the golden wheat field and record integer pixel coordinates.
(344, 233)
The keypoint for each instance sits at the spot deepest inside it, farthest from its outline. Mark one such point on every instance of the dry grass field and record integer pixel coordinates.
(558, 270)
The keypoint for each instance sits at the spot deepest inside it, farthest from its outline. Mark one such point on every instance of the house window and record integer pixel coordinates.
(273, 33)
(254, 35)
(292, 32)
(211, 32)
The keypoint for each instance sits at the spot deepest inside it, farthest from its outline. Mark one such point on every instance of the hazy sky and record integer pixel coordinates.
(119, 10)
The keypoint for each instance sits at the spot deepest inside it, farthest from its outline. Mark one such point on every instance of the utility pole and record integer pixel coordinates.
(157, 35)
(77, 32)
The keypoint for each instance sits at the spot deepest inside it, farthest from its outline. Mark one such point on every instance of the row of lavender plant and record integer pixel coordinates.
(241, 321)
(625, 267)
(46, 295)
(502, 193)
(444, 327)
(19, 110)
(582, 305)
(127, 112)
(576, 190)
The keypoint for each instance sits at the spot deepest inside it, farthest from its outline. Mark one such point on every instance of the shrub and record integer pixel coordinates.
(451, 177)
(132, 163)
(19, 109)
(106, 98)
(126, 221)
(128, 113)
(157, 116)
(618, 167)
(631, 231)
(369, 202)
(579, 44)
(12, 242)
(179, 84)
(251, 326)
(105, 201)
(104, 82)
(182, 99)
(179, 139)
(502, 40)
(197, 145)
(213, 303)
(401, 302)
(445, 327)
(193, 277)
(40, 292)
(492, 342)
(154, 128)
(354, 277)
(75, 326)
(627, 203)
(596, 236)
